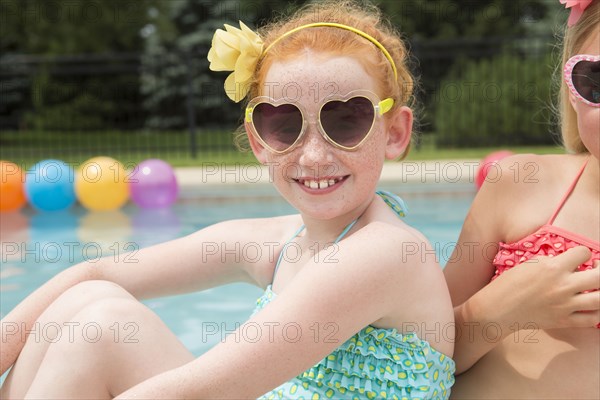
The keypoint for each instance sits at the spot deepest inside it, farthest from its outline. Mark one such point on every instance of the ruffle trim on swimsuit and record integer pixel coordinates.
(542, 243)
(384, 363)
(378, 363)
(547, 241)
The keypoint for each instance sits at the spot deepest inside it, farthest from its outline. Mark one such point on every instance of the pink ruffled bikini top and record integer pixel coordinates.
(549, 240)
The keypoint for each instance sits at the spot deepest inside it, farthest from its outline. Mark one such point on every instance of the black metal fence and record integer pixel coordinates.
(136, 106)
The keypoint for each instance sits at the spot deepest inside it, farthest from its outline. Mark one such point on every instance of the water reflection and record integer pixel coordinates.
(152, 226)
(14, 233)
(104, 233)
(52, 238)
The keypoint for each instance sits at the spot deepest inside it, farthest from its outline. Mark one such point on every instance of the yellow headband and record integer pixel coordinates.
(341, 26)
(239, 51)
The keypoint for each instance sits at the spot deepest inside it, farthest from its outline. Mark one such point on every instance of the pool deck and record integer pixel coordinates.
(435, 171)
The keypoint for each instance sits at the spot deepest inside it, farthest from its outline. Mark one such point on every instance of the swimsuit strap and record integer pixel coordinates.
(345, 231)
(283, 251)
(391, 199)
(568, 193)
(340, 237)
(394, 201)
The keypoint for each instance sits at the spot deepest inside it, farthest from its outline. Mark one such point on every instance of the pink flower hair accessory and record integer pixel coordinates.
(577, 8)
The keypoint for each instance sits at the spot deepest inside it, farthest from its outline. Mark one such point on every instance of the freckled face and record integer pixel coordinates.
(588, 118)
(318, 179)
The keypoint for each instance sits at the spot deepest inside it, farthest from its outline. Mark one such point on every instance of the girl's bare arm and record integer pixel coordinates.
(191, 263)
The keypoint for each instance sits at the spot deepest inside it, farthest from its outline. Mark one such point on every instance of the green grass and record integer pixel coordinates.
(477, 153)
(27, 148)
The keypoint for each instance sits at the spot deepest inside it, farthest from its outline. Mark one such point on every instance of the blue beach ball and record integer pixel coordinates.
(49, 186)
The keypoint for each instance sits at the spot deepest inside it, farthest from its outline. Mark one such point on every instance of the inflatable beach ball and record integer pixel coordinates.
(101, 184)
(153, 184)
(490, 161)
(49, 186)
(12, 195)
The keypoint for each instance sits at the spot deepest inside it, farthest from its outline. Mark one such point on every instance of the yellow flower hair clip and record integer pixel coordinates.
(236, 50)
(239, 50)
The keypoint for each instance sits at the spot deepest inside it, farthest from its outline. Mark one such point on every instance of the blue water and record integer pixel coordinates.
(36, 246)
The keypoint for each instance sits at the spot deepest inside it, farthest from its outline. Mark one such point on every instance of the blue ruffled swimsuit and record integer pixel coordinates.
(374, 363)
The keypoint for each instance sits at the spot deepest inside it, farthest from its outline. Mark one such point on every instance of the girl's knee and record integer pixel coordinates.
(115, 317)
(89, 291)
(111, 310)
(77, 298)
(102, 323)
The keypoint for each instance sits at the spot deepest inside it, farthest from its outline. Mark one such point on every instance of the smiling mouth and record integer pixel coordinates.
(323, 183)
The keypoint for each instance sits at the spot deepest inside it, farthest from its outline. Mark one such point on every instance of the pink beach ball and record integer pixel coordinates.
(153, 184)
(489, 162)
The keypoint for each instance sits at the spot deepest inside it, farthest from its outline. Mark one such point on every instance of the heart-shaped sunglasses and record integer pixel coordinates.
(582, 75)
(344, 121)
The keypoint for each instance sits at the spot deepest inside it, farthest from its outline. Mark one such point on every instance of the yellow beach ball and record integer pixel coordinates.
(101, 184)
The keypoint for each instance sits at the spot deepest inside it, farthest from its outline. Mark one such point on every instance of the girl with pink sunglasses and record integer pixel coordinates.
(346, 312)
(526, 302)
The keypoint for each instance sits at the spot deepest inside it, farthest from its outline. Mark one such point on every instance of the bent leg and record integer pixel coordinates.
(108, 342)
(51, 327)
(109, 363)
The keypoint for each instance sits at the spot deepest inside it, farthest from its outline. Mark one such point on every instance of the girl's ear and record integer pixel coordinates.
(259, 151)
(573, 100)
(399, 132)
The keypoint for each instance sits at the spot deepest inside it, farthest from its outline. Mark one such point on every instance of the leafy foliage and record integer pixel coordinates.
(453, 39)
(175, 64)
(496, 101)
(449, 19)
(75, 93)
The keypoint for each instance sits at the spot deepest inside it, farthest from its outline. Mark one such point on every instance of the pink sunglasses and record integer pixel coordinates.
(582, 75)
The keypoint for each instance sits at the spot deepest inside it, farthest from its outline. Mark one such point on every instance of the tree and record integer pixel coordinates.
(446, 36)
(449, 19)
(175, 65)
(44, 88)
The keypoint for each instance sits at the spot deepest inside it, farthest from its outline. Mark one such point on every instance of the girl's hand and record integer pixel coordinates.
(543, 293)
(547, 292)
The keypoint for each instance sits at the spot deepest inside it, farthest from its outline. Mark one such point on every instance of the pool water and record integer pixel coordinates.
(36, 246)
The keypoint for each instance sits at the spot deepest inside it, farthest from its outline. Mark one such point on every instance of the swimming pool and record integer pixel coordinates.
(36, 246)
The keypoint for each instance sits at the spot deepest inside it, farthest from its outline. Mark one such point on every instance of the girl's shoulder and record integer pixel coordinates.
(403, 267)
(521, 160)
(387, 231)
(529, 173)
(525, 191)
(398, 247)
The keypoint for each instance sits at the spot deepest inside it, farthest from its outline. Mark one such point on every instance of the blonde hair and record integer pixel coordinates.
(573, 41)
(362, 16)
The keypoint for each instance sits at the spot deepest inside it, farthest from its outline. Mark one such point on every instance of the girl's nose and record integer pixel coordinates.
(314, 149)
